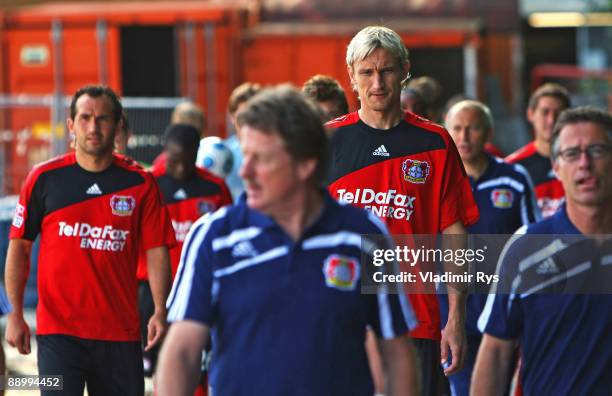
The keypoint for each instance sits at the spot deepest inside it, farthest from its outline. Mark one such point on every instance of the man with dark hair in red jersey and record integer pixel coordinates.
(545, 105)
(188, 192)
(95, 212)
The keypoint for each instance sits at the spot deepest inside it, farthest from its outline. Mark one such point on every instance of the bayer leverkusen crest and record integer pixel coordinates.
(416, 171)
(341, 272)
(502, 198)
(122, 205)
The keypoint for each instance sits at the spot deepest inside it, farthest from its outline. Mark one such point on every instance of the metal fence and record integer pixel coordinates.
(33, 129)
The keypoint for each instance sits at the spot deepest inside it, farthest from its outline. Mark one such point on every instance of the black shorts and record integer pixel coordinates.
(430, 371)
(106, 367)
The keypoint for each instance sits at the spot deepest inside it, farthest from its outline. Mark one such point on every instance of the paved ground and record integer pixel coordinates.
(17, 363)
(26, 364)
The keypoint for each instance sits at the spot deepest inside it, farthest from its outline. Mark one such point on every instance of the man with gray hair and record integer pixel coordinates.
(277, 276)
(381, 151)
(506, 201)
(503, 192)
(560, 306)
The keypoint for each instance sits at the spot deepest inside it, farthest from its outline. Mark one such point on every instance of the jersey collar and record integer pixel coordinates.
(328, 221)
(562, 224)
(486, 175)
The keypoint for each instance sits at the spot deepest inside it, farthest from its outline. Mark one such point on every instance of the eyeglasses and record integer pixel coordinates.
(595, 151)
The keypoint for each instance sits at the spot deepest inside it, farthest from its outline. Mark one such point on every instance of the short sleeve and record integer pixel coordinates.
(458, 203)
(502, 315)
(156, 225)
(29, 210)
(393, 315)
(193, 294)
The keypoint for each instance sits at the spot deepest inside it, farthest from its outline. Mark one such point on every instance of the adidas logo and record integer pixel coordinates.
(180, 194)
(381, 151)
(244, 249)
(94, 190)
(548, 266)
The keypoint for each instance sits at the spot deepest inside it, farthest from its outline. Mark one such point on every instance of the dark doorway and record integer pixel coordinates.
(443, 64)
(148, 61)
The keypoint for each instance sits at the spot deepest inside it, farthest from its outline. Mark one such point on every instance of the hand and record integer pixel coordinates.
(18, 333)
(453, 337)
(156, 329)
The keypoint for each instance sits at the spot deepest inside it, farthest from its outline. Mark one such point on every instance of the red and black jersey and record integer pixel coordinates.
(92, 226)
(548, 189)
(411, 176)
(186, 201)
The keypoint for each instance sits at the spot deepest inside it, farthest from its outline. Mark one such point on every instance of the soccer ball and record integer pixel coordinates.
(215, 156)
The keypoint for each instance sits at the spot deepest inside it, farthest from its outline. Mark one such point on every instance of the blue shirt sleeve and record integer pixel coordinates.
(193, 294)
(502, 315)
(393, 315)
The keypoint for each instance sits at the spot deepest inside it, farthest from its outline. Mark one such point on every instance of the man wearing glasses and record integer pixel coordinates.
(566, 348)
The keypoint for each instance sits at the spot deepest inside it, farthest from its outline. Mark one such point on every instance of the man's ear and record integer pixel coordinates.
(70, 126)
(306, 168)
(351, 74)
(406, 69)
(529, 114)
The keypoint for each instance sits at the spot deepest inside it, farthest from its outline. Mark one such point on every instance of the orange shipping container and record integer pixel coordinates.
(140, 49)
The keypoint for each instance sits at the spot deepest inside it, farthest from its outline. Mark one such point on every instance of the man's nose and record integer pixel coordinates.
(379, 82)
(92, 125)
(463, 135)
(584, 159)
(246, 168)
